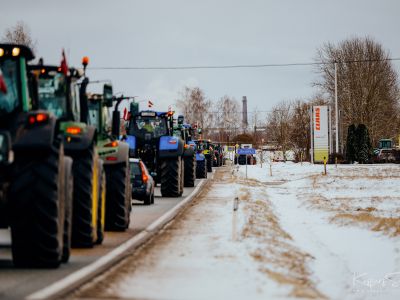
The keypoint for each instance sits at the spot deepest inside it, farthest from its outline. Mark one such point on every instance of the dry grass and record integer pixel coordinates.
(352, 210)
(278, 257)
(387, 225)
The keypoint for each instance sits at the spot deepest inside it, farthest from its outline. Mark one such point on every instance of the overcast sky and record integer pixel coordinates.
(151, 33)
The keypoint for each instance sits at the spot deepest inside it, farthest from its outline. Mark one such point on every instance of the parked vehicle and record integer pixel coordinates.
(142, 182)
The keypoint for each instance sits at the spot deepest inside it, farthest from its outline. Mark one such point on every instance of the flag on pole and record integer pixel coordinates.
(64, 66)
(125, 114)
(3, 86)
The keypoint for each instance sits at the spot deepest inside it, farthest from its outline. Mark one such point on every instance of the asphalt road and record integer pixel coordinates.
(19, 283)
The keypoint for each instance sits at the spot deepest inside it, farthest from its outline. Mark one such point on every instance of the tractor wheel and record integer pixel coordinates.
(190, 171)
(37, 208)
(201, 169)
(117, 197)
(209, 163)
(182, 177)
(68, 198)
(171, 177)
(84, 208)
(101, 208)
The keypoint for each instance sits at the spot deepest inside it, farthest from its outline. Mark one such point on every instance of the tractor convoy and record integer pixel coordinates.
(65, 166)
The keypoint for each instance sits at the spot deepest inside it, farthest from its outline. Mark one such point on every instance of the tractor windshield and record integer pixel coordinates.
(155, 126)
(9, 98)
(53, 94)
(94, 114)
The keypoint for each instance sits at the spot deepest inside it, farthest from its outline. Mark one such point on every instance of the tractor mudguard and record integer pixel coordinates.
(200, 156)
(170, 146)
(131, 140)
(121, 155)
(36, 136)
(82, 140)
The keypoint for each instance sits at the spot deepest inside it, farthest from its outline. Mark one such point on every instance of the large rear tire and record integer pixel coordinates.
(171, 177)
(37, 208)
(201, 169)
(101, 209)
(84, 216)
(68, 198)
(117, 197)
(190, 171)
(209, 163)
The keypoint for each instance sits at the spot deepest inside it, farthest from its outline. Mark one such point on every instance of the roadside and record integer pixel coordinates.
(212, 252)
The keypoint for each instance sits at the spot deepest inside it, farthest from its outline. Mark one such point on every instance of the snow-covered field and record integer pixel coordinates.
(296, 234)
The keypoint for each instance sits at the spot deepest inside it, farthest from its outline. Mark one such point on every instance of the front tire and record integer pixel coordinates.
(117, 197)
(171, 177)
(201, 169)
(190, 170)
(84, 216)
(68, 189)
(37, 208)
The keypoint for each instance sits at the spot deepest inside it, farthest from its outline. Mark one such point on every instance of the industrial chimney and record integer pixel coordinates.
(244, 114)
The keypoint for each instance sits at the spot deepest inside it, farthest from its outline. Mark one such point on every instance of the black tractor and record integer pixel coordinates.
(150, 138)
(34, 185)
(189, 155)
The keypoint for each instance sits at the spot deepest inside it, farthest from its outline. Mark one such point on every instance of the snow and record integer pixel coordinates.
(296, 234)
(342, 253)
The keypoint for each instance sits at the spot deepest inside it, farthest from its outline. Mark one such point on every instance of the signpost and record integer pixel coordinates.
(246, 151)
(320, 133)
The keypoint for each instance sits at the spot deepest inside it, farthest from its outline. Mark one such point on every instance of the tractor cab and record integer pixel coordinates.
(58, 92)
(150, 125)
(14, 92)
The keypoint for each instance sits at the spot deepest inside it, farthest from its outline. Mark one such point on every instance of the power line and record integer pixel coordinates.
(243, 66)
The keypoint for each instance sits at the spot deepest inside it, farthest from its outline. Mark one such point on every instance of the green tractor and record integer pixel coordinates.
(184, 131)
(59, 93)
(34, 185)
(115, 156)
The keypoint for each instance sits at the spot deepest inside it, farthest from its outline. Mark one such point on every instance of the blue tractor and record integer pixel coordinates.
(151, 138)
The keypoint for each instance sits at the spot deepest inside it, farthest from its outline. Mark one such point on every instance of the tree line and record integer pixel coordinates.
(368, 95)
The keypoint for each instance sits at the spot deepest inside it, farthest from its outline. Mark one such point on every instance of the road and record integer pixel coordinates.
(19, 283)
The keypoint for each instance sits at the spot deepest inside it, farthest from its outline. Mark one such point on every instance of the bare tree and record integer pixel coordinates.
(19, 34)
(300, 136)
(279, 125)
(225, 117)
(195, 107)
(368, 91)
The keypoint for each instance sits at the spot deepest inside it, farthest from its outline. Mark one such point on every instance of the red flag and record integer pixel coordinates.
(3, 86)
(125, 114)
(64, 66)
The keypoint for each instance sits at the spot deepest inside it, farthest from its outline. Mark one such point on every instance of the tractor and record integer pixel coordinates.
(35, 188)
(115, 156)
(207, 151)
(59, 93)
(189, 154)
(150, 138)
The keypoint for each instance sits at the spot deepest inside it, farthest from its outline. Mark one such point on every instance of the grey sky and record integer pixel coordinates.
(208, 32)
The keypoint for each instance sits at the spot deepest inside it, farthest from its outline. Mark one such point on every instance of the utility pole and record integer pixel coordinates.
(336, 112)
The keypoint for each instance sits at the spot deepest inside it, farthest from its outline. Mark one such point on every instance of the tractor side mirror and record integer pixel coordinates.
(180, 119)
(6, 154)
(108, 95)
(115, 123)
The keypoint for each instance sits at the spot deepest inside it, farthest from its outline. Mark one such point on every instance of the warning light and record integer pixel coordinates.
(73, 130)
